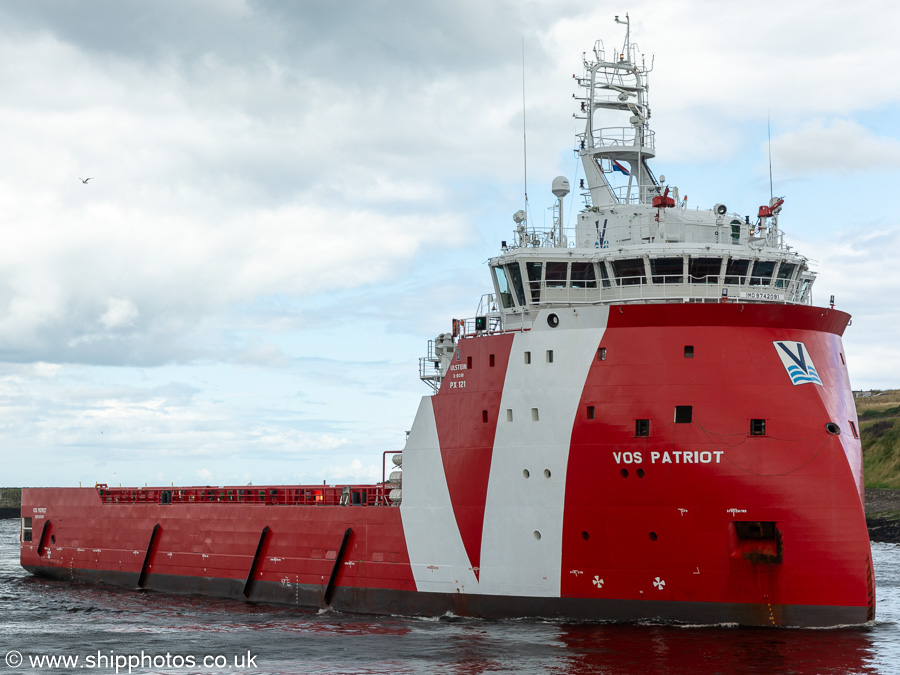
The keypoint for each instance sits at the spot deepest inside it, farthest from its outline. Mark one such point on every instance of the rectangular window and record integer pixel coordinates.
(590, 412)
(853, 429)
(601, 354)
(509, 415)
(468, 363)
(583, 275)
(491, 360)
(534, 279)
(642, 427)
(515, 274)
(630, 272)
(502, 284)
(484, 417)
(762, 273)
(26, 529)
(705, 270)
(549, 356)
(555, 275)
(604, 275)
(527, 358)
(757, 427)
(683, 414)
(535, 416)
(785, 272)
(735, 271)
(667, 270)
(689, 351)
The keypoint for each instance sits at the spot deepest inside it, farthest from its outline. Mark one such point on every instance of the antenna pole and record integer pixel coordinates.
(769, 129)
(524, 135)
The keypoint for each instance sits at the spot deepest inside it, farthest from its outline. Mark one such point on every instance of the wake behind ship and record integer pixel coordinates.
(646, 419)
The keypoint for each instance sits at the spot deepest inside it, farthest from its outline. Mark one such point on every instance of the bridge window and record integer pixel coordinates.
(630, 271)
(555, 275)
(534, 270)
(736, 271)
(762, 273)
(502, 287)
(583, 275)
(757, 427)
(667, 270)
(705, 270)
(785, 272)
(515, 273)
(604, 275)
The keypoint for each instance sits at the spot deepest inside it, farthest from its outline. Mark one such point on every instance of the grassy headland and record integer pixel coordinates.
(879, 430)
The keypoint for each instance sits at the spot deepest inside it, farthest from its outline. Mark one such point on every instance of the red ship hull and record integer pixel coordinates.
(613, 463)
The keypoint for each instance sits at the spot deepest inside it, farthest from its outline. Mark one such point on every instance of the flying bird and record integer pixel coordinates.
(85, 180)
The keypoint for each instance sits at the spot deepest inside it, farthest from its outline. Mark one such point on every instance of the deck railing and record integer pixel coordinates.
(298, 495)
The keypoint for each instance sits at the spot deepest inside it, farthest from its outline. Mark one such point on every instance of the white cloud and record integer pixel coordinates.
(834, 146)
(120, 313)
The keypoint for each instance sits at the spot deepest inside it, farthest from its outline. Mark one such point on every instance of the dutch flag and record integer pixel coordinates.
(618, 167)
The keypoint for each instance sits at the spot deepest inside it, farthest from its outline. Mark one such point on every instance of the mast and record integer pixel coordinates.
(619, 84)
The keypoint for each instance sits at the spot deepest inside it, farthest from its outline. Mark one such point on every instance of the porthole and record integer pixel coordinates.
(537, 535)
(526, 473)
(585, 535)
(832, 428)
(552, 320)
(640, 473)
(624, 473)
(546, 473)
(653, 536)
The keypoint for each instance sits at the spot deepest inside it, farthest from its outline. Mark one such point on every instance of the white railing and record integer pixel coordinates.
(623, 137)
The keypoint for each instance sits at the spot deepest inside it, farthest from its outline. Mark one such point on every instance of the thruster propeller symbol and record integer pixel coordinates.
(659, 583)
(598, 582)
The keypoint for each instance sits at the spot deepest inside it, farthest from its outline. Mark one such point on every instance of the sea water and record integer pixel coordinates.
(57, 627)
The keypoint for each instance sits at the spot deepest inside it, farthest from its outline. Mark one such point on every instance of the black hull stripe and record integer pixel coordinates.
(412, 603)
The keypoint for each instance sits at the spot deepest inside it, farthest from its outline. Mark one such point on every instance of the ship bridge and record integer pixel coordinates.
(636, 240)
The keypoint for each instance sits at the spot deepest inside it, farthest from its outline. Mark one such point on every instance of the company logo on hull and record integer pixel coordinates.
(797, 362)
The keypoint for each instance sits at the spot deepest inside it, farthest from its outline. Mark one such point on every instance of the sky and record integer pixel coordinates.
(289, 199)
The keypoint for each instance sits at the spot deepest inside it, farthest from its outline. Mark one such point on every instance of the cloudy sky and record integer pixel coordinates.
(288, 199)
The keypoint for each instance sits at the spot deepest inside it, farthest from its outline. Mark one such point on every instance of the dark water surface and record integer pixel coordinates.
(105, 628)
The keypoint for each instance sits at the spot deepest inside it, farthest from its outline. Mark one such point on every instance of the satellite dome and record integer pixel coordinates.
(560, 186)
